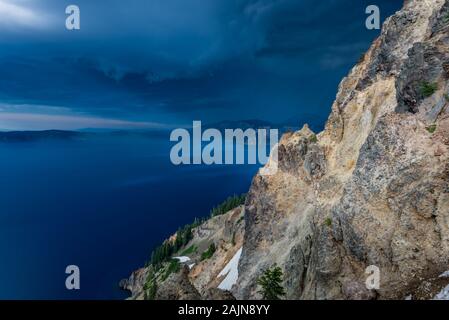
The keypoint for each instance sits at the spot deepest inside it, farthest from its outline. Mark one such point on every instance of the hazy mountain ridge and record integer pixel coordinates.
(42, 135)
(292, 124)
(27, 136)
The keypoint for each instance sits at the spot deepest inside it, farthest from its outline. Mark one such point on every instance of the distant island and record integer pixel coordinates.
(28, 136)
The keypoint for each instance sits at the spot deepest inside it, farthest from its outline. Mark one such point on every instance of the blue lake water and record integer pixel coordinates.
(101, 203)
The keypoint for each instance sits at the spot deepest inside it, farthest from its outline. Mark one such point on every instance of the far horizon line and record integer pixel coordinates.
(161, 128)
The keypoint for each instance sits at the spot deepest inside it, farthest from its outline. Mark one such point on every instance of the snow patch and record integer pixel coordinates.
(182, 259)
(231, 272)
(443, 295)
(445, 274)
(191, 265)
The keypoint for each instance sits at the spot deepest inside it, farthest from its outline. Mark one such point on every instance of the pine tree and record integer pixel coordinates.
(150, 287)
(209, 252)
(271, 283)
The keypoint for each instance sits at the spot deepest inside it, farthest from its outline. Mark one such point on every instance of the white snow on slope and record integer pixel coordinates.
(182, 259)
(445, 274)
(231, 272)
(443, 295)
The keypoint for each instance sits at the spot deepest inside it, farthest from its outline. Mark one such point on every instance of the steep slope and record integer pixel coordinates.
(373, 187)
(198, 277)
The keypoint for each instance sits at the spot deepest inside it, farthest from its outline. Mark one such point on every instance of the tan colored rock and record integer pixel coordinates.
(374, 188)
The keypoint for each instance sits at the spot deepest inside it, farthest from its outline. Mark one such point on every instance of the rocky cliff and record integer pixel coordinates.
(372, 189)
(199, 277)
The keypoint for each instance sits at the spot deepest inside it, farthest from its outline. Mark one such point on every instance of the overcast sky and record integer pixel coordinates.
(145, 63)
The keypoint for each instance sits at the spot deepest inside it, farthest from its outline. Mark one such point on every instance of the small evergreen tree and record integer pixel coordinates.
(271, 283)
(428, 88)
(209, 252)
(173, 267)
(150, 287)
(227, 205)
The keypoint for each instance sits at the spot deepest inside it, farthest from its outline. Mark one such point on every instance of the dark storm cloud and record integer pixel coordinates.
(183, 59)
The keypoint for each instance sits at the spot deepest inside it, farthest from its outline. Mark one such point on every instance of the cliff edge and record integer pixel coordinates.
(372, 189)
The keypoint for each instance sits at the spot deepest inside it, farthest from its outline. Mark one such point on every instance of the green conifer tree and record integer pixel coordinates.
(271, 283)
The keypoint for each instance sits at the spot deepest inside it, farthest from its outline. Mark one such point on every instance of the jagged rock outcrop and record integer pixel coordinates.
(373, 187)
(217, 294)
(135, 283)
(177, 287)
